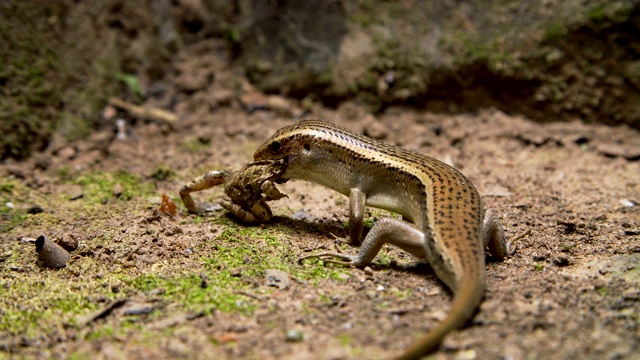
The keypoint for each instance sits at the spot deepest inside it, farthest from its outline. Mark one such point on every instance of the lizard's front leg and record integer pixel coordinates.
(357, 200)
(385, 231)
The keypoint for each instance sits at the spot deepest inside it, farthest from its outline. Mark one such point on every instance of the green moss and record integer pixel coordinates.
(29, 97)
(231, 34)
(345, 340)
(6, 187)
(98, 186)
(555, 31)
(598, 12)
(365, 16)
(256, 249)
(64, 173)
(162, 173)
(16, 193)
(195, 145)
(400, 294)
(368, 222)
(603, 291)
(73, 127)
(606, 11)
(473, 50)
(198, 219)
(28, 314)
(339, 276)
(103, 332)
(221, 293)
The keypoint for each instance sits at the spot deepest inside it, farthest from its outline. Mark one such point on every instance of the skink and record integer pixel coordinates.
(445, 221)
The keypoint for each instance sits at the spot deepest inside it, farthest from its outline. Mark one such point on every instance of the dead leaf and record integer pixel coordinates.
(227, 338)
(167, 206)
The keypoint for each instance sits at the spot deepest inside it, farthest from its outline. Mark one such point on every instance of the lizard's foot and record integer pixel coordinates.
(511, 244)
(349, 259)
(337, 241)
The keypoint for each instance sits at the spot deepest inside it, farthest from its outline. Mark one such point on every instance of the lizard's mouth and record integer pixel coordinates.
(283, 169)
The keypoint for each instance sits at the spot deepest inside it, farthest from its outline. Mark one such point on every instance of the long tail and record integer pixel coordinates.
(466, 300)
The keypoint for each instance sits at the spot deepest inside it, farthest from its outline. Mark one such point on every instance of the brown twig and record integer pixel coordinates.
(144, 112)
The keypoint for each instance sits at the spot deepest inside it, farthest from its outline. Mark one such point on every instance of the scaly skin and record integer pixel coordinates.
(445, 218)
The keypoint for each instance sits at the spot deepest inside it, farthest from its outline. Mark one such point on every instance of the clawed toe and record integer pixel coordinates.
(511, 244)
(348, 259)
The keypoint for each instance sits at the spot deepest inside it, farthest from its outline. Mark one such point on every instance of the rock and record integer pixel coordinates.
(117, 190)
(67, 153)
(75, 192)
(236, 272)
(374, 128)
(109, 112)
(204, 281)
(35, 209)
(496, 190)
(277, 278)
(68, 242)
(561, 261)
(294, 335)
(630, 153)
(255, 101)
(223, 96)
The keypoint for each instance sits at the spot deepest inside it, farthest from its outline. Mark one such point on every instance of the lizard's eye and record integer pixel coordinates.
(306, 147)
(275, 146)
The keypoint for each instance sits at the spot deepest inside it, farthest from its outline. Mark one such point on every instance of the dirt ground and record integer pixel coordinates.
(143, 284)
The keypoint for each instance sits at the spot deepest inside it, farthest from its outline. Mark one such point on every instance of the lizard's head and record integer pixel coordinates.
(288, 143)
(310, 150)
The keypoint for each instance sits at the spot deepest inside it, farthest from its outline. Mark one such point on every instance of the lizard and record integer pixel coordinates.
(443, 219)
(248, 189)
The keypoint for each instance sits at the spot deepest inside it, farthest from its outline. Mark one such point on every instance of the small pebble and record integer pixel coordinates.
(35, 209)
(109, 112)
(277, 278)
(138, 311)
(627, 203)
(237, 272)
(204, 281)
(368, 271)
(75, 192)
(121, 128)
(347, 326)
(117, 190)
(68, 242)
(294, 335)
(561, 261)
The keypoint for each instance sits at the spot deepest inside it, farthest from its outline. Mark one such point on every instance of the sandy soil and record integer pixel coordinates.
(142, 284)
